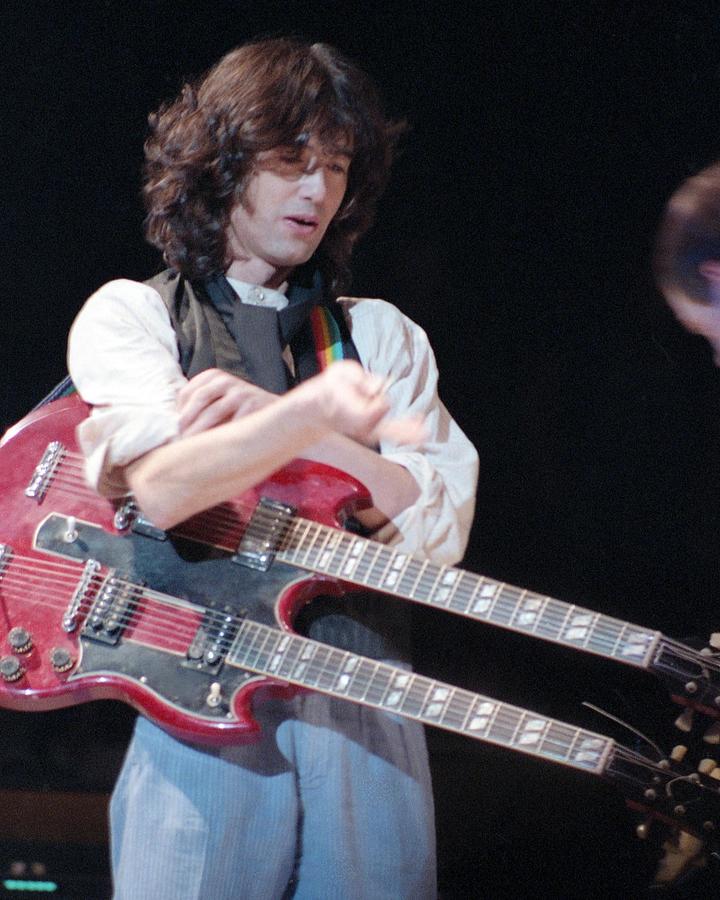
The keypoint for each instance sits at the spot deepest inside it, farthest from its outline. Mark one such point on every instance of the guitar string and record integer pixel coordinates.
(601, 636)
(680, 648)
(506, 719)
(162, 622)
(424, 684)
(503, 729)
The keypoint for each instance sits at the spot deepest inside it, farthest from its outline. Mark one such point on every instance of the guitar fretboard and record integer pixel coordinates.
(360, 561)
(264, 650)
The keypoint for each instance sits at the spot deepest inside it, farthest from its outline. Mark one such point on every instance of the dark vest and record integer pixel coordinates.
(215, 330)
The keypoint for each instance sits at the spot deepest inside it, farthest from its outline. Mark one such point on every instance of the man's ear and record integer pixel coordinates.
(710, 269)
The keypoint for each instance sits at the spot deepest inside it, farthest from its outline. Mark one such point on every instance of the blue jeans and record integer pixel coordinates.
(333, 803)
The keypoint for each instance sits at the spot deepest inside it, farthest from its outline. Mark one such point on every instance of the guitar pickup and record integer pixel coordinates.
(212, 641)
(112, 610)
(263, 534)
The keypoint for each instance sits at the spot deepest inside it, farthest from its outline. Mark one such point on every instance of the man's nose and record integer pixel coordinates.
(314, 186)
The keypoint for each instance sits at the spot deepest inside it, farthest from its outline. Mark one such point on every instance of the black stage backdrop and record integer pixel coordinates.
(546, 137)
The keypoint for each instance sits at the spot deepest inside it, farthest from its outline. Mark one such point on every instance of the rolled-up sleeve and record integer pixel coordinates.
(123, 359)
(445, 465)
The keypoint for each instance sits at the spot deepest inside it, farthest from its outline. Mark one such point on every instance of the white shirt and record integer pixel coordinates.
(123, 358)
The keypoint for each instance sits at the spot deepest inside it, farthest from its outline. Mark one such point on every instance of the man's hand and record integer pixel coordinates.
(351, 401)
(214, 397)
(345, 398)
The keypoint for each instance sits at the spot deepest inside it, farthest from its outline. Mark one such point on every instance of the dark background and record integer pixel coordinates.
(546, 137)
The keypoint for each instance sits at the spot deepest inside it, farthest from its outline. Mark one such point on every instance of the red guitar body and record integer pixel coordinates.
(49, 657)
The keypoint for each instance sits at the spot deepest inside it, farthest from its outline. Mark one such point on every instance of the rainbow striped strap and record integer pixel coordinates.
(326, 337)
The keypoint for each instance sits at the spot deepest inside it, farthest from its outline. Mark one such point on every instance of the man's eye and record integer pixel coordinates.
(339, 168)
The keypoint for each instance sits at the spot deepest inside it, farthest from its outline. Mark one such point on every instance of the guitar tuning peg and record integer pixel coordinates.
(715, 640)
(643, 829)
(712, 734)
(684, 721)
(706, 766)
(678, 753)
(683, 853)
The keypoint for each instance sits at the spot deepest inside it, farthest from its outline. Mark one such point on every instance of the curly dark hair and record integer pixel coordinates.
(689, 235)
(202, 148)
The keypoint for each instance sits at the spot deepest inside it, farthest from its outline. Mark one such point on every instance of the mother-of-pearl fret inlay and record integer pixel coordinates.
(483, 604)
(357, 547)
(529, 611)
(393, 575)
(347, 673)
(637, 644)
(481, 719)
(437, 702)
(590, 750)
(327, 554)
(532, 731)
(400, 683)
(447, 585)
(577, 628)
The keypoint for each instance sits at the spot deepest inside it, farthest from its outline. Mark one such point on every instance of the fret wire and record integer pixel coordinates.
(438, 572)
(290, 655)
(415, 696)
(433, 699)
(245, 642)
(403, 571)
(355, 687)
(386, 555)
(260, 652)
(328, 536)
(426, 686)
(571, 748)
(315, 664)
(457, 715)
(347, 542)
(374, 666)
(351, 560)
(376, 689)
(300, 540)
(518, 611)
(594, 622)
(458, 597)
(554, 736)
(619, 640)
(493, 716)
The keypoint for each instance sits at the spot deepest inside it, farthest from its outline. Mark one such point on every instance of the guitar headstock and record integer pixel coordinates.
(693, 673)
(686, 820)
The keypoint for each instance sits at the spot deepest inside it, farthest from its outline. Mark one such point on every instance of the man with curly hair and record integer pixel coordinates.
(259, 180)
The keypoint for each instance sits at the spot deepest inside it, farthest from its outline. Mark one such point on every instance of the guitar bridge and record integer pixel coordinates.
(44, 471)
(263, 534)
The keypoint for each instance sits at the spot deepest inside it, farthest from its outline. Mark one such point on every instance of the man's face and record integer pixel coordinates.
(701, 318)
(290, 199)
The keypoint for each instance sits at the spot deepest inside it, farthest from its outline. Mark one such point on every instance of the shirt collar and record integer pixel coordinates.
(256, 295)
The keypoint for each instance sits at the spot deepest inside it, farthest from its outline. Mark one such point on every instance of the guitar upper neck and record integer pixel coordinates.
(366, 563)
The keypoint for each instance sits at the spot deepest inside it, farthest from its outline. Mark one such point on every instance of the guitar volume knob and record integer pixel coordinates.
(10, 668)
(60, 659)
(20, 640)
